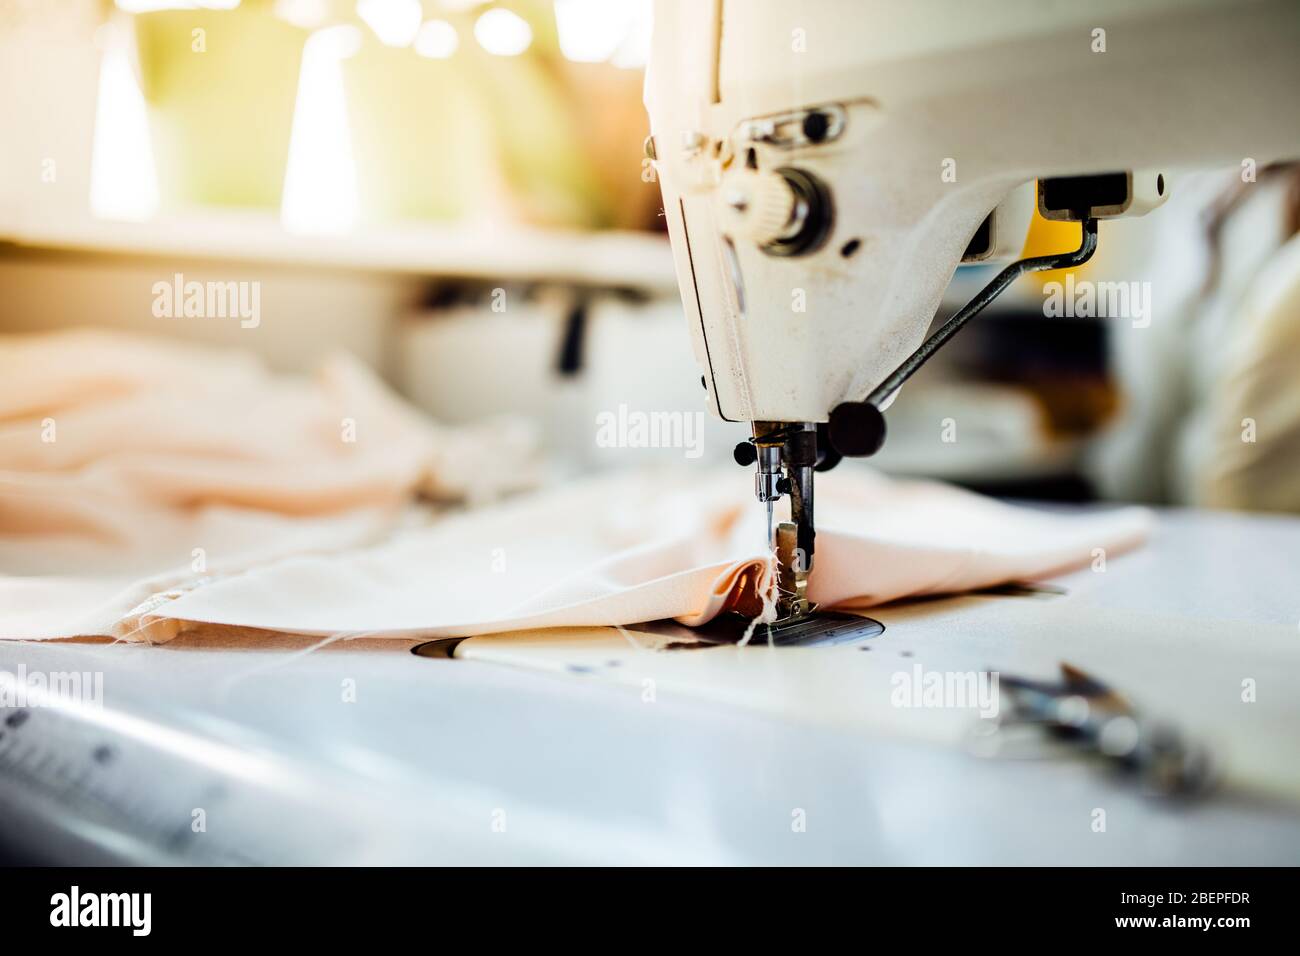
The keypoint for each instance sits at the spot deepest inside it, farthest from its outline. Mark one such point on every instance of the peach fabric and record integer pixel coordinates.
(621, 550)
(130, 465)
(144, 486)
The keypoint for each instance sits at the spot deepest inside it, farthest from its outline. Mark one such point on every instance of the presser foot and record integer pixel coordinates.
(786, 456)
(815, 629)
(792, 574)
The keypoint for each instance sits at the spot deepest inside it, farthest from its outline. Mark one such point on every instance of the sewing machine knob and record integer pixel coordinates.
(856, 429)
(760, 207)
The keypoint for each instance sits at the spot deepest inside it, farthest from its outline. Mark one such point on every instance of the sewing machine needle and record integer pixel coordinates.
(770, 543)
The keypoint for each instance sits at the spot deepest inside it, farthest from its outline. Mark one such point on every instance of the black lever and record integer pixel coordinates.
(857, 429)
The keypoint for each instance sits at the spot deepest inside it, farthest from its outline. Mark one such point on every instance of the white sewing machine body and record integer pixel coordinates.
(826, 166)
(939, 113)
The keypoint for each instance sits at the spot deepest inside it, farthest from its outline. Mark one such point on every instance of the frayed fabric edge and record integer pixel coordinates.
(767, 591)
(143, 624)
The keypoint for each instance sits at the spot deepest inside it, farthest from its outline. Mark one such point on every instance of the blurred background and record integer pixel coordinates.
(455, 192)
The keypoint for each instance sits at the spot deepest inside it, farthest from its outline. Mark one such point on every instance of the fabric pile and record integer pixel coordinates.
(145, 487)
(131, 466)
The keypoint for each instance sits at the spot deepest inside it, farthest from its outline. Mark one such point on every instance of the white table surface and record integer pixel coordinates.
(546, 748)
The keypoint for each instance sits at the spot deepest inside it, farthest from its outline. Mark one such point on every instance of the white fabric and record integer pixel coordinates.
(144, 485)
(131, 465)
(629, 549)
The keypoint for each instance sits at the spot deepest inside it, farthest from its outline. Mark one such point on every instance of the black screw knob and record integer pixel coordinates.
(745, 454)
(857, 429)
(815, 126)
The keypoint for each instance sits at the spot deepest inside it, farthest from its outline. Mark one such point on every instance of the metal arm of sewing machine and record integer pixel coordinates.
(857, 429)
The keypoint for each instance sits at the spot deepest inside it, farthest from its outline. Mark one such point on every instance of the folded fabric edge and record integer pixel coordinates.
(739, 585)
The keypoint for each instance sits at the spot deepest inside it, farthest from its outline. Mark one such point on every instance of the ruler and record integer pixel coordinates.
(90, 779)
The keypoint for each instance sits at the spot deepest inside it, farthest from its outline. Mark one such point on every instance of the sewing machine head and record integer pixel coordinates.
(825, 167)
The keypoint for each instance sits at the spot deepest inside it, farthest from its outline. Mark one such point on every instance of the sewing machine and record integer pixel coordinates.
(889, 143)
(827, 165)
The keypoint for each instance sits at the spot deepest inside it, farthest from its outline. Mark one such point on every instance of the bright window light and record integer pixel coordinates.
(591, 30)
(437, 40)
(395, 22)
(600, 31)
(123, 181)
(150, 6)
(320, 180)
(503, 33)
(305, 14)
(634, 51)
